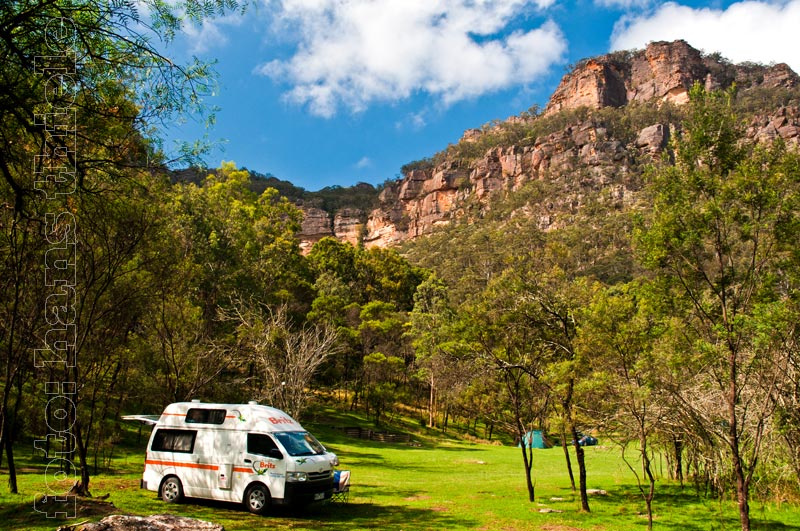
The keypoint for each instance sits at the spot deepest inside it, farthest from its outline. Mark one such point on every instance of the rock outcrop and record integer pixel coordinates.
(664, 71)
(158, 522)
(581, 157)
(347, 224)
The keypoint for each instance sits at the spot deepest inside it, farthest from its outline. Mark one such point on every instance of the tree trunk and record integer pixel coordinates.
(432, 407)
(581, 469)
(742, 486)
(7, 439)
(8, 443)
(678, 444)
(742, 494)
(651, 480)
(565, 446)
(82, 487)
(527, 459)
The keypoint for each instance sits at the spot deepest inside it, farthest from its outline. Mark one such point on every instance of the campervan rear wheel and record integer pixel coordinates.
(257, 499)
(171, 490)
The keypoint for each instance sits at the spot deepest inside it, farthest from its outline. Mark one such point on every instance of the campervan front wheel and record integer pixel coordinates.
(257, 499)
(171, 490)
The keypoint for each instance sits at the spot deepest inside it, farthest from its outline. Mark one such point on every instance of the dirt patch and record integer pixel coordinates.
(84, 507)
(417, 498)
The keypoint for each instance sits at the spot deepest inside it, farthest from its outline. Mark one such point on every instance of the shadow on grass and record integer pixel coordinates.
(459, 449)
(52, 514)
(375, 516)
(333, 437)
(358, 514)
(693, 512)
(371, 457)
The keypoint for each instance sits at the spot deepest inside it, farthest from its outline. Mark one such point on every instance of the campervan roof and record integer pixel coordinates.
(252, 416)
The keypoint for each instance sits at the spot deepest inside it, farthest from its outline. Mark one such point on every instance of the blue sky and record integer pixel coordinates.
(335, 92)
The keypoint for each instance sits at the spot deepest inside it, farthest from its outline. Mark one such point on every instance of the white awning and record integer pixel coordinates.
(152, 420)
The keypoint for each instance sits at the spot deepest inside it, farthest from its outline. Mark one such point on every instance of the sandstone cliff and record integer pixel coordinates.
(664, 71)
(582, 154)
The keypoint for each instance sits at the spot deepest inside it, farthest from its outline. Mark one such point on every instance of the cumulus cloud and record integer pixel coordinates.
(208, 34)
(205, 37)
(623, 4)
(761, 32)
(352, 53)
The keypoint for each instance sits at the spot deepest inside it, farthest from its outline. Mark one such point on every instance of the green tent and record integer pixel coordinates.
(536, 439)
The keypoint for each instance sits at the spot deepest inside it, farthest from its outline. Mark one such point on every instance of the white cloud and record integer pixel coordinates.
(746, 31)
(414, 121)
(364, 162)
(352, 53)
(623, 4)
(208, 35)
(203, 38)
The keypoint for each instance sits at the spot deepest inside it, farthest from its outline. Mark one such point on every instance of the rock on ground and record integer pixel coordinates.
(158, 522)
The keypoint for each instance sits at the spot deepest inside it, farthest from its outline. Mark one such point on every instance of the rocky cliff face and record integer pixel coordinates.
(346, 224)
(664, 71)
(582, 156)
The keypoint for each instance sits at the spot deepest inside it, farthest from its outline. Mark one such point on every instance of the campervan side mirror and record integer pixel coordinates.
(275, 453)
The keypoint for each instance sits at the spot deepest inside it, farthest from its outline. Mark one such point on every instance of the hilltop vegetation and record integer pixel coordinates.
(361, 196)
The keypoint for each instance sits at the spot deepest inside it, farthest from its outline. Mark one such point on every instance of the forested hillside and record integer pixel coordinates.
(644, 286)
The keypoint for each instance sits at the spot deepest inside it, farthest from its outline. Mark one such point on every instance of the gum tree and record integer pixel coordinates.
(722, 226)
(82, 86)
(619, 331)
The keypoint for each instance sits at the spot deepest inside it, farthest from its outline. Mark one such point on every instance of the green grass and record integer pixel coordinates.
(441, 484)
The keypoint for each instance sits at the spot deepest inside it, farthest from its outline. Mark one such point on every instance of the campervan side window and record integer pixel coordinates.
(174, 441)
(259, 444)
(205, 416)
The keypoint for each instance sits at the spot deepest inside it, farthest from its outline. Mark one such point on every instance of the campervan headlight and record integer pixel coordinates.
(334, 460)
(296, 476)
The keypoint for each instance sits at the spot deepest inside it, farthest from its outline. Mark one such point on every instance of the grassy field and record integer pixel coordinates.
(437, 484)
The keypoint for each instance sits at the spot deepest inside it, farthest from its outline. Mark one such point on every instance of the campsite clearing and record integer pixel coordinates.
(438, 484)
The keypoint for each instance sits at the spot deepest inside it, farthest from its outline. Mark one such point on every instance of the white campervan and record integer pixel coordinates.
(247, 453)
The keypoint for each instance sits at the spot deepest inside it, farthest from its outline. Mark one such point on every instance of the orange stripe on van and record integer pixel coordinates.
(245, 470)
(177, 463)
(184, 414)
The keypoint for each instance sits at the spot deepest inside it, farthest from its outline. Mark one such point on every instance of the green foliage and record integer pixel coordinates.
(425, 164)
(241, 243)
(717, 238)
(383, 377)
(361, 196)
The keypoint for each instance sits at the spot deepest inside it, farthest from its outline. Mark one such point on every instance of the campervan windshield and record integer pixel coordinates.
(299, 443)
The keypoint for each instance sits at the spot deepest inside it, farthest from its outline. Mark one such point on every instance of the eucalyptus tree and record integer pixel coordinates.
(239, 243)
(366, 294)
(557, 301)
(619, 332)
(82, 85)
(286, 354)
(429, 324)
(723, 226)
(507, 344)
